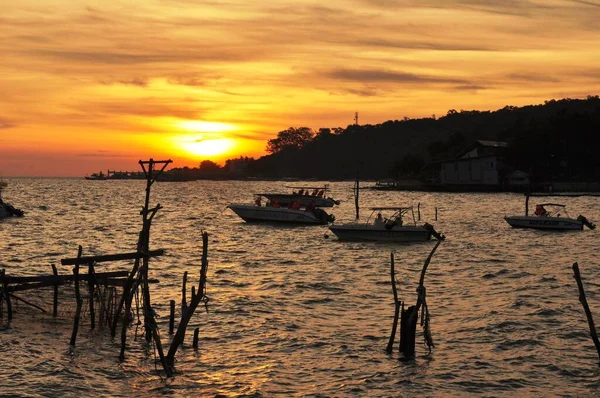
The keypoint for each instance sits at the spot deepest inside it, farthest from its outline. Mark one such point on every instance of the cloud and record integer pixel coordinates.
(532, 77)
(6, 124)
(103, 154)
(386, 76)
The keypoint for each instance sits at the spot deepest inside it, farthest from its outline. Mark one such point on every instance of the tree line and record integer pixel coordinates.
(557, 139)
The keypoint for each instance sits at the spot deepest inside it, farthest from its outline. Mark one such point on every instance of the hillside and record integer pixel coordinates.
(559, 136)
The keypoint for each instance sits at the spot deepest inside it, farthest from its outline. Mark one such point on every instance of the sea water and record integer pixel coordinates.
(295, 312)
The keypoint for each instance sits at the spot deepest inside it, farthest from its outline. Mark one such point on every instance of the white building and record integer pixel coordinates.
(478, 164)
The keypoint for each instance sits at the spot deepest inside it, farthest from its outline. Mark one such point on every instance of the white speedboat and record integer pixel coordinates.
(556, 218)
(393, 228)
(273, 212)
(304, 195)
(6, 209)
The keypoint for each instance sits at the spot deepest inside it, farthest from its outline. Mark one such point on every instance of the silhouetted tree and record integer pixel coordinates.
(209, 166)
(292, 138)
(409, 165)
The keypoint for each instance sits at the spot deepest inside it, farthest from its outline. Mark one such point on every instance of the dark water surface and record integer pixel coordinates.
(293, 313)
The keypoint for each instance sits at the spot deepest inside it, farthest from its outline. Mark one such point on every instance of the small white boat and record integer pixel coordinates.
(386, 229)
(272, 212)
(6, 209)
(556, 219)
(304, 195)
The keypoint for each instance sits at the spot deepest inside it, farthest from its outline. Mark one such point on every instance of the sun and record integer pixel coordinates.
(207, 147)
(204, 138)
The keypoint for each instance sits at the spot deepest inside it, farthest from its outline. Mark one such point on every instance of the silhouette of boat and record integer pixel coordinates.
(6, 209)
(305, 195)
(556, 219)
(96, 176)
(293, 213)
(392, 228)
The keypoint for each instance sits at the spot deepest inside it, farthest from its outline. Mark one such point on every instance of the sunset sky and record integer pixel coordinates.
(88, 86)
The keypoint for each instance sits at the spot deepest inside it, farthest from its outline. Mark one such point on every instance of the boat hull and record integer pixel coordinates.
(251, 213)
(305, 200)
(357, 232)
(545, 223)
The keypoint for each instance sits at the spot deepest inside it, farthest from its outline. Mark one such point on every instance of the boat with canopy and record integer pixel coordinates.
(399, 225)
(274, 211)
(305, 195)
(549, 216)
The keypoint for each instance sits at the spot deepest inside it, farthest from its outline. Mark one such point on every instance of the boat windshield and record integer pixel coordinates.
(551, 210)
(395, 215)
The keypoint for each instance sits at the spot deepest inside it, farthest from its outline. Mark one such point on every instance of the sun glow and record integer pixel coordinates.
(207, 147)
(205, 138)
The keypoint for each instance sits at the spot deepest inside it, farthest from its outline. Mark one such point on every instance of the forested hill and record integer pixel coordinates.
(552, 136)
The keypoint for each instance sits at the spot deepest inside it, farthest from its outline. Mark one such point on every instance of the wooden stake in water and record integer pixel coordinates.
(171, 316)
(397, 309)
(586, 307)
(78, 300)
(55, 303)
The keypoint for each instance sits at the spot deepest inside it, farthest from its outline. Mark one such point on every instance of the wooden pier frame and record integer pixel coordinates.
(113, 305)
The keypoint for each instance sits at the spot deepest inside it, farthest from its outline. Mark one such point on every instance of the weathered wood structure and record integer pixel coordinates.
(409, 317)
(103, 298)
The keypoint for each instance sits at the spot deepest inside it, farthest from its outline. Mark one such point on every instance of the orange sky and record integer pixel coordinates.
(94, 85)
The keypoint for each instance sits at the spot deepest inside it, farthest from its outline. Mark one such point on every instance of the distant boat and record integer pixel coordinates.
(96, 176)
(305, 195)
(556, 219)
(386, 185)
(6, 209)
(392, 228)
(275, 212)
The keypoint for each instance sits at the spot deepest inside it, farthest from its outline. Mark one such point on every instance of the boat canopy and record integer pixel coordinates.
(395, 208)
(326, 186)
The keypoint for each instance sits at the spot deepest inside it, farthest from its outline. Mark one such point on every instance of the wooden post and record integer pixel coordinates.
(6, 295)
(195, 341)
(408, 320)
(91, 283)
(526, 205)
(78, 299)
(586, 308)
(397, 309)
(419, 211)
(172, 317)
(436, 214)
(55, 302)
(183, 293)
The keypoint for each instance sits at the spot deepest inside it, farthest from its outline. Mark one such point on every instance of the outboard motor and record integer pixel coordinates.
(323, 216)
(586, 222)
(12, 210)
(436, 234)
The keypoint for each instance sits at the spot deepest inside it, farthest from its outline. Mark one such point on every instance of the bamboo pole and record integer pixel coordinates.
(586, 307)
(55, 301)
(91, 293)
(183, 293)
(397, 305)
(78, 300)
(171, 316)
(195, 341)
(6, 295)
